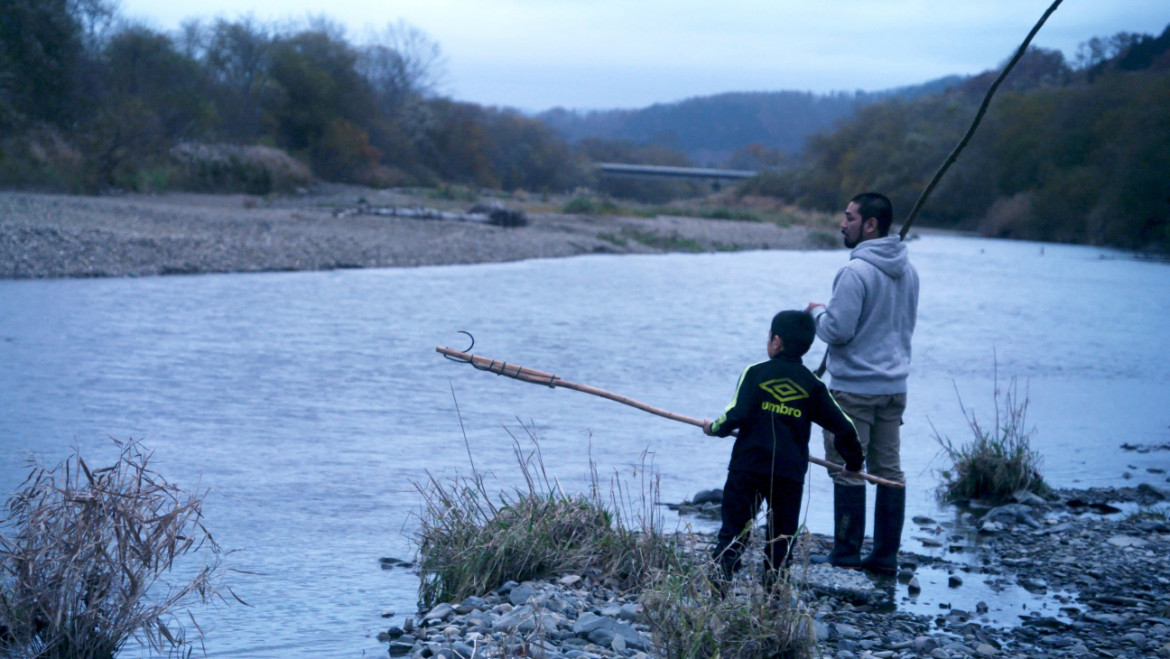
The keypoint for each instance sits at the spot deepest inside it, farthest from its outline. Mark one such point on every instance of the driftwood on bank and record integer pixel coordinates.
(484, 214)
(533, 376)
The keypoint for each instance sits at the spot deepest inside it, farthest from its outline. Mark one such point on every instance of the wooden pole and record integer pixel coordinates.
(975, 124)
(533, 376)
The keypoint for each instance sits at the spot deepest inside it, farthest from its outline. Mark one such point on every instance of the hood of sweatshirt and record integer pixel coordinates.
(887, 254)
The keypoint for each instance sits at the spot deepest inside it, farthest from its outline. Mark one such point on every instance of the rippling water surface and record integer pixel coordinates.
(311, 403)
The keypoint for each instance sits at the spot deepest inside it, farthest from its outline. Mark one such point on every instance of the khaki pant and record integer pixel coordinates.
(878, 420)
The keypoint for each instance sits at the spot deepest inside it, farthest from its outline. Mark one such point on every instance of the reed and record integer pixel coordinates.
(471, 542)
(997, 462)
(84, 557)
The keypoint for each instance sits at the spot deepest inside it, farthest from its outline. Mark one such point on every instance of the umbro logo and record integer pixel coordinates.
(784, 390)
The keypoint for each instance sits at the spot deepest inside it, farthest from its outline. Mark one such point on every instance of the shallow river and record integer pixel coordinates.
(312, 403)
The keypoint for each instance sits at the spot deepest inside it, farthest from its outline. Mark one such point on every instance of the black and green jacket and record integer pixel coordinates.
(775, 404)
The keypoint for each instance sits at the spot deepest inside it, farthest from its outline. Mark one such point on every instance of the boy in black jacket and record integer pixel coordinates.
(774, 406)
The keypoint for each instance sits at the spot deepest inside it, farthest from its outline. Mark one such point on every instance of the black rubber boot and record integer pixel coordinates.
(888, 515)
(849, 527)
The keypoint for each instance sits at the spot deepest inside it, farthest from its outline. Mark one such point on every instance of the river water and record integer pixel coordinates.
(312, 403)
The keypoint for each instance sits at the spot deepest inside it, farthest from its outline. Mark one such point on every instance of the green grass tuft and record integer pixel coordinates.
(995, 463)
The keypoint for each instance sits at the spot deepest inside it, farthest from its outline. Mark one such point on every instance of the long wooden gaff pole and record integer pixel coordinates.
(954, 155)
(549, 380)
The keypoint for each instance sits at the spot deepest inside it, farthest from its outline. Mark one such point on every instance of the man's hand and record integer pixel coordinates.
(707, 428)
(814, 305)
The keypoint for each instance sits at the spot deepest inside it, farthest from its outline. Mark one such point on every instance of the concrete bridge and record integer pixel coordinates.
(658, 171)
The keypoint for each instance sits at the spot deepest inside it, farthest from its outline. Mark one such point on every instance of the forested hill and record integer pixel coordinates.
(709, 129)
(1065, 153)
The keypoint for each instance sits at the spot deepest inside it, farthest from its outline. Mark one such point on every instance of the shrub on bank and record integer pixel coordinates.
(256, 170)
(81, 572)
(589, 206)
(997, 462)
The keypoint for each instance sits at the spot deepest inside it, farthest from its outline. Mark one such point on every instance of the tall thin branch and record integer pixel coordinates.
(975, 124)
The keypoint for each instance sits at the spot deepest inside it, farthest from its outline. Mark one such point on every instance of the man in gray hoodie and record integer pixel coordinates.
(867, 325)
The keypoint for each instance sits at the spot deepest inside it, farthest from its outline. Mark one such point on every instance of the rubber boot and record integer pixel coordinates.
(889, 513)
(849, 527)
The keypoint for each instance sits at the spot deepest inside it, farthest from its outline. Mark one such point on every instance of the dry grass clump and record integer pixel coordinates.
(83, 557)
(470, 542)
(752, 621)
(997, 462)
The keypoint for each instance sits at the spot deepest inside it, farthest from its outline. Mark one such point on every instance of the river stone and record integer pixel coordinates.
(708, 496)
(991, 526)
(601, 637)
(1126, 541)
(1137, 638)
(1105, 618)
(521, 594)
(1028, 498)
(400, 648)
(1013, 513)
(925, 644)
(986, 650)
(525, 619)
(589, 622)
(849, 584)
(847, 631)
(474, 602)
(440, 612)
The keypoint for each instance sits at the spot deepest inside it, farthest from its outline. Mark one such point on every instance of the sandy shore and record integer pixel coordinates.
(49, 236)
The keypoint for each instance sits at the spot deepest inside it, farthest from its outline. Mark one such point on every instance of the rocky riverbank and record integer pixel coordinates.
(43, 236)
(1101, 586)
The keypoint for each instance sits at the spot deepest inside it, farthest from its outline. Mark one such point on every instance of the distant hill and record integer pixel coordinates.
(709, 129)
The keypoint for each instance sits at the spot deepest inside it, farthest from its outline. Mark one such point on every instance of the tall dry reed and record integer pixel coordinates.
(85, 555)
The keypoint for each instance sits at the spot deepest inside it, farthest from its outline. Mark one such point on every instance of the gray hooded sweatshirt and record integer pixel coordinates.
(870, 319)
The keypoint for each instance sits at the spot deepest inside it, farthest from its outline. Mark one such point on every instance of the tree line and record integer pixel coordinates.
(89, 102)
(1067, 152)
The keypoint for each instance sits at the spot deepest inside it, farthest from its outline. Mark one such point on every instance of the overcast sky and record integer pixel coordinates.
(601, 54)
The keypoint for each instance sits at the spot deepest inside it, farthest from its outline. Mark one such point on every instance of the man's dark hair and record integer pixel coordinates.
(872, 204)
(796, 329)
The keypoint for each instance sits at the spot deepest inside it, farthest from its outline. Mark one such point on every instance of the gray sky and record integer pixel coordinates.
(600, 54)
